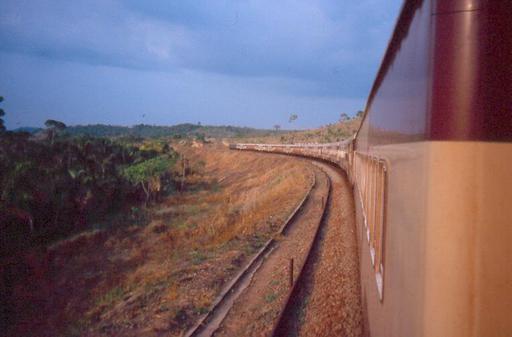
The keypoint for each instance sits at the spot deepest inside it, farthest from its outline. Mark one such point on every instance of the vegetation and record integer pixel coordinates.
(327, 134)
(342, 130)
(53, 186)
(153, 131)
(50, 188)
(293, 117)
(148, 174)
(54, 128)
(160, 277)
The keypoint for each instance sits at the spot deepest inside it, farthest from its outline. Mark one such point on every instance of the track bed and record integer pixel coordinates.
(325, 297)
(327, 300)
(256, 311)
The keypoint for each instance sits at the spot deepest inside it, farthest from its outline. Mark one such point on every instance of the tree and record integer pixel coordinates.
(277, 127)
(53, 124)
(147, 174)
(344, 117)
(2, 113)
(54, 127)
(359, 113)
(293, 117)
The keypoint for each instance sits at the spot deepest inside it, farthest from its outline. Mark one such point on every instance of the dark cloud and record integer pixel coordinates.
(300, 48)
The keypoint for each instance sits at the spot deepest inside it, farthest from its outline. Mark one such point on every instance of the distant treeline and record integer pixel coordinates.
(155, 131)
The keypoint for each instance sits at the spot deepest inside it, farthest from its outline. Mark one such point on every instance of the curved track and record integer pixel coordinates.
(259, 307)
(326, 300)
(325, 297)
(210, 322)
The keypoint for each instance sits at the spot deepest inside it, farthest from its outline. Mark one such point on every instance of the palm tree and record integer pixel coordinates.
(344, 117)
(293, 117)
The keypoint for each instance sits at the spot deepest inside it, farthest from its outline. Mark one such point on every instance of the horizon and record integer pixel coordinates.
(165, 125)
(250, 64)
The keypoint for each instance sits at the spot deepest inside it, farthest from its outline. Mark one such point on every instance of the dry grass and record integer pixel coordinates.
(158, 279)
(248, 198)
(326, 134)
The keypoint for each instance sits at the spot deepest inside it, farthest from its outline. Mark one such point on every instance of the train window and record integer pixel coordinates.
(371, 178)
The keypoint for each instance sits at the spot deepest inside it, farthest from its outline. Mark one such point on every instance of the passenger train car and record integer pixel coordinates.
(431, 167)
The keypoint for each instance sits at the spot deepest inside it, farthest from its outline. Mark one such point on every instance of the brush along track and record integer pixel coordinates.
(258, 308)
(211, 321)
(325, 300)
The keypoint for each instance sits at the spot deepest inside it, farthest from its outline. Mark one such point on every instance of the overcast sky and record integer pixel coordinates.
(238, 62)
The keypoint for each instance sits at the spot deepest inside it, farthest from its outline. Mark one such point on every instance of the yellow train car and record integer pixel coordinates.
(431, 167)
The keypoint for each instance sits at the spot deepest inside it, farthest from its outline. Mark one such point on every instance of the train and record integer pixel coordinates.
(431, 170)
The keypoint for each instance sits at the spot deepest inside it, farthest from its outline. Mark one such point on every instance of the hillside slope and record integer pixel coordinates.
(325, 134)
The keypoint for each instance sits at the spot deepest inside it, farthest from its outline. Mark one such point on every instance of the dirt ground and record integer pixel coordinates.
(157, 279)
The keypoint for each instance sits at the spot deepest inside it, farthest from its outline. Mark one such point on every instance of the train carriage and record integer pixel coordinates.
(431, 167)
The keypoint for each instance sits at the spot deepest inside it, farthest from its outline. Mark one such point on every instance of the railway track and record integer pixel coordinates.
(315, 200)
(325, 300)
(289, 317)
(211, 321)
(238, 310)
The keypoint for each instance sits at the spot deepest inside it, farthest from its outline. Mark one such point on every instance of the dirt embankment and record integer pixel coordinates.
(158, 279)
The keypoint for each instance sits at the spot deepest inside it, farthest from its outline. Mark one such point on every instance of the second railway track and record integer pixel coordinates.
(251, 304)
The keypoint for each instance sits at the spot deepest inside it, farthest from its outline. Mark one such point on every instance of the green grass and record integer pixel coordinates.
(112, 296)
(182, 225)
(77, 328)
(270, 297)
(274, 283)
(302, 310)
(256, 243)
(197, 257)
(215, 187)
(201, 310)
(191, 209)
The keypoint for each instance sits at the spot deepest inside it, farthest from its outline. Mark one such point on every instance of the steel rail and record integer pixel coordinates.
(209, 323)
(281, 327)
